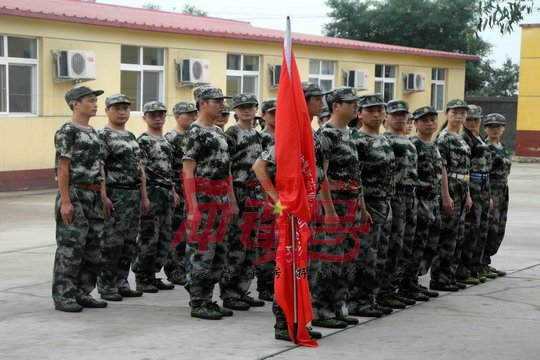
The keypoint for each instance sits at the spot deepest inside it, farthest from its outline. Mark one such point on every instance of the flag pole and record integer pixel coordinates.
(295, 300)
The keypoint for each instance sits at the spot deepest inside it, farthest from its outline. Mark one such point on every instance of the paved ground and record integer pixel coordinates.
(497, 320)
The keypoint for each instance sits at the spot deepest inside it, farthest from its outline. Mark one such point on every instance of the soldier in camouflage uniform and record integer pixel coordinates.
(185, 114)
(266, 234)
(208, 193)
(121, 199)
(378, 165)
(455, 198)
(158, 198)
(403, 204)
(428, 212)
(324, 117)
(244, 149)
(78, 207)
(498, 185)
(476, 221)
(223, 119)
(343, 174)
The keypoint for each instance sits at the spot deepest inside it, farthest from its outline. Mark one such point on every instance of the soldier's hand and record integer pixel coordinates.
(365, 217)
(448, 205)
(235, 211)
(108, 207)
(491, 204)
(468, 204)
(66, 211)
(176, 199)
(145, 205)
(331, 219)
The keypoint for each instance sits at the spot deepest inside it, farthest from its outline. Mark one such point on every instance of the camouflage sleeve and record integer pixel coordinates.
(230, 136)
(444, 148)
(326, 144)
(103, 145)
(191, 145)
(269, 155)
(64, 140)
(144, 146)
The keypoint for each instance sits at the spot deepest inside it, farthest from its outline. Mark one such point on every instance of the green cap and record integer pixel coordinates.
(311, 89)
(209, 92)
(116, 99)
(494, 119)
(423, 111)
(474, 112)
(153, 106)
(183, 107)
(456, 104)
(226, 110)
(268, 105)
(396, 106)
(370, 100)
(244, 99)
(79, 92)
(342, 93)
(324, 112)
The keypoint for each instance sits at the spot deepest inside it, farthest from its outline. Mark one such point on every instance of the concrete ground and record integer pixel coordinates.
(497, 320)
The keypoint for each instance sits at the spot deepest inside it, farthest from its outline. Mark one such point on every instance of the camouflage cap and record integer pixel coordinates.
(244, 99)
(423, 111)
(370, 100)
(342, 93)
(183, 107)
(117, 99)
(311, 89)
(153, 106)
(79, 92)
(494, 119)
(324, 112)
(396, 106)
(226, 110)
(209, 92)
(268, 105)
(456, 104)
(474, 112)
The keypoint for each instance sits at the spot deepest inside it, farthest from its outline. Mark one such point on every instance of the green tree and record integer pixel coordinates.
(503, 14)
(192, 10)
(151, 6)
(501, 81)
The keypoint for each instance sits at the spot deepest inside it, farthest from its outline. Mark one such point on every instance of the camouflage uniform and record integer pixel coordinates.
(456, 157)
(332, 278)
(401, 231)
(122, 165)
(76, 263)
(428, 223)
(175, 265)
(477, 220)
(205, 247)
(378, 165)
(155, 234)
(244, 148)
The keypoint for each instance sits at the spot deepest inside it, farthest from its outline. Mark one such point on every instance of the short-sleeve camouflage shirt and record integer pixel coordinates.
(244, 148)
(269, 155)
(406, 159)
(319, 159)
(340, 151)
(377, 161)
(455, 152)
(156, 156)
(429, 166)
(121, 157)
(208, 148)
(501, 162)
(267, 139)
(480, 154)
(176, 138)
(82, 146)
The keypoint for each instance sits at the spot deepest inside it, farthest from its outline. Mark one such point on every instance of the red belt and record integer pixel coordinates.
(90, 187)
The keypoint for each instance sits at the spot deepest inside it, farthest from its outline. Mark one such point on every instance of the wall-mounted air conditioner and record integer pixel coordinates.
(75, 64)
(414, 81)
(357, 79)
(192, 72)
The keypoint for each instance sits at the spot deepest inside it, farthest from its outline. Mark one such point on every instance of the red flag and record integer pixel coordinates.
(295, 183)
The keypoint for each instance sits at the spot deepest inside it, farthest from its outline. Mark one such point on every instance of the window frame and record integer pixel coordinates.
(241, 73)
(141, 69)
(323, 77)
(6, 61)
(386, 80)
(437, 82)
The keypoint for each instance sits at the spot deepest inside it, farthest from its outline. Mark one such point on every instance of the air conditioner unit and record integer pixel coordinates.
(357, 79)
(414, 81)
(76, 64)
(193, 72)
(275, 73)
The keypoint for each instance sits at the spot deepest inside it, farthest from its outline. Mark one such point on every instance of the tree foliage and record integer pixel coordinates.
(151, 6)
(502, 81)
(503, 14)
(193, 10)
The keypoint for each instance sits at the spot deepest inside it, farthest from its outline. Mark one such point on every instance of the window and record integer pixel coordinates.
(18, 75)
(242, 74)
(141, 76)
(437, 88)
(385, 81)
(322, 72)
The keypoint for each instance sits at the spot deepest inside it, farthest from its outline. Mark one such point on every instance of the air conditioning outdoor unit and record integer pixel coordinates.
(357, 79)
(75, 65)
(193, 72)
(275, 73)
(414, 81)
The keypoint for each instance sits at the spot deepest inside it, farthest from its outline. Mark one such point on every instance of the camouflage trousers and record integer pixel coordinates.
(240, 243)
(176, 259)
(426, 237)
(335, 272)
(119, 241)
(400, 234)
(445, 263)
(76, 262)
(267, 241)
(476, 228)
(155, 235)
(205, 247)
(497, 223)
(371, 260)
